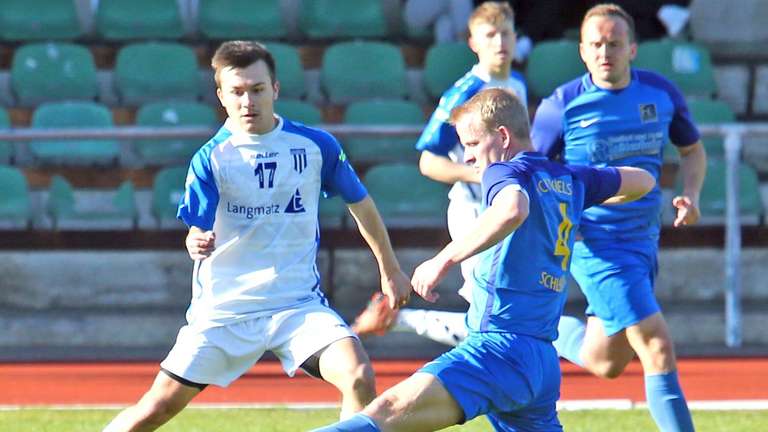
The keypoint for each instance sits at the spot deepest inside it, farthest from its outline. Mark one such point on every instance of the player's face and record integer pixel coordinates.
(607, 51)
(481, 147)
(493, 44)
(248, 95)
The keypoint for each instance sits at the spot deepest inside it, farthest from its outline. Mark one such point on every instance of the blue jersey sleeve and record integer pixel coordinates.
(337, 175)
(500, 175)
(599, 183)
(439, 136)
(547, 128)
(682, 131)
(201, 196)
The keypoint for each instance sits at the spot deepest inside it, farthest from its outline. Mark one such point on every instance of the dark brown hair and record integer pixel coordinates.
(241, 54)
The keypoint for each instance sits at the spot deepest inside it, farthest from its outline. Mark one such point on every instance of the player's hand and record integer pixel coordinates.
(687, 211)
(397, 288)
(426, 277)
(200, 244)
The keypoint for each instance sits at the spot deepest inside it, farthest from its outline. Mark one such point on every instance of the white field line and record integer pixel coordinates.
(566, 405)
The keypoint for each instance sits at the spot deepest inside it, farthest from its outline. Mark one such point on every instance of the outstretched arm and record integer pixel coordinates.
(693, 166)
(635, 182)
(508, 211)
(394, 283)
(443, 169)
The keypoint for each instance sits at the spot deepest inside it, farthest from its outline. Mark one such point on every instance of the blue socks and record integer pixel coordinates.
(667, 403)
(357, 423)
(570, 338)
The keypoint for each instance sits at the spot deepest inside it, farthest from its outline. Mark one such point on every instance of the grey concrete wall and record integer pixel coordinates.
(128, 304)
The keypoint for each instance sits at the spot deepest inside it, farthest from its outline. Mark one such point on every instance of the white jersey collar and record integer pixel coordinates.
(234, 128)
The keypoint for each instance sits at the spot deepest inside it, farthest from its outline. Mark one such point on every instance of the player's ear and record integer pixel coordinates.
(276, 90)
(220, 95)
(632, 50)
(506, 136)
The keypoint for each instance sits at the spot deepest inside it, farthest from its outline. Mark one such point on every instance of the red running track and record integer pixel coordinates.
(705, 379)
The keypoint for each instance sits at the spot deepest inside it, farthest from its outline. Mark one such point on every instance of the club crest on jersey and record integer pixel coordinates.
(295, 205)
(648, 113)
(299, 159)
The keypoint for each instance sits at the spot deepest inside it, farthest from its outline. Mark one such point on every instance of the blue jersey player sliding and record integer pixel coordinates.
(507, 367)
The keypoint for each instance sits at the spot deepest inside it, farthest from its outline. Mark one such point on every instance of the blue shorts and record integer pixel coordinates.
(618, 281)
(513, 379)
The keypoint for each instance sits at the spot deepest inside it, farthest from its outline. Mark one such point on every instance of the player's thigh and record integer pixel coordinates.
(343, 360)
(421, 402)
(600, 348)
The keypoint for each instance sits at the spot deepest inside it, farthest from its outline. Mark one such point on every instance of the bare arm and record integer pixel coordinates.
(693, 166)
(507, 212)
(635, 182)
(443, 169)
(394, 283)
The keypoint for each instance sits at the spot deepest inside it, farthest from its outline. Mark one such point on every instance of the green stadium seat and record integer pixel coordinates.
(172, 114)
(64, 206)
(300, 111)
(444, 64)
(362, 70)
(382, 112)
(14, 196)
(332, 212)
(333, 19)
(713, 193)
(686, 64)
(21, 20)
(74, 114)
(241, 19)
(152, 71)
(406, 198)
(290, 72)
(551, 64)
(708, 111)
(7, 153)
(122, 20)
(167, 190)
(53, 71)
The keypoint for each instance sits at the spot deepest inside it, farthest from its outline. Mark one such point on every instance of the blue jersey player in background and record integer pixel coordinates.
(251, 203)
(492, 37)
(617, 115)
(507, 367)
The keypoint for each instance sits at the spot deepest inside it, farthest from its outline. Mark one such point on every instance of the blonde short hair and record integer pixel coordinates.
(610, 10)
(491, 12)
(496, 107)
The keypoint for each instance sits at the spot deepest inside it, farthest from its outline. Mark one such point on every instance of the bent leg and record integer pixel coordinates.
(603, 355)
(345, 364)
(166, 398)
(666, 401)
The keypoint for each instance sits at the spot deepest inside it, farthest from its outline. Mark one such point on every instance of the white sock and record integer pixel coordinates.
(445, 327)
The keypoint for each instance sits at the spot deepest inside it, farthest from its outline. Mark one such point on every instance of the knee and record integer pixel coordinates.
(362, 382)
(658, 355)
(607, 369)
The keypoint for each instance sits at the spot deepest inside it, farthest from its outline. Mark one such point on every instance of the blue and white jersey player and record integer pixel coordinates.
(251, 204)
(492, 37)
(506, 368)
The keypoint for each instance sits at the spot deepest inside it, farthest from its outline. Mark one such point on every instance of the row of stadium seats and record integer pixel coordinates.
(87, 114)
(192, 113)
(411, 201)
(123, 20)
(350, 70)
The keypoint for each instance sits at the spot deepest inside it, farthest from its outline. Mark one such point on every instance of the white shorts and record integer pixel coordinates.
(461, 216)
(219, 355)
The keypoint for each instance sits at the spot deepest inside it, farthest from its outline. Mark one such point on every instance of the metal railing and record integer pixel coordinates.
(734, 134)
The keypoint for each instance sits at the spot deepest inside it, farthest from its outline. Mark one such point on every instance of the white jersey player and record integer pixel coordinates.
(251, 202)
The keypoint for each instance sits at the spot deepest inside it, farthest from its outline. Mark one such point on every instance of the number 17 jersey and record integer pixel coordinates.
(520, 282)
